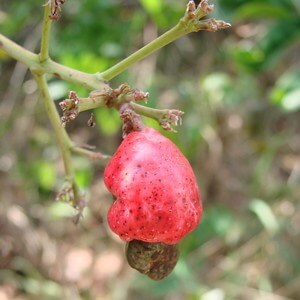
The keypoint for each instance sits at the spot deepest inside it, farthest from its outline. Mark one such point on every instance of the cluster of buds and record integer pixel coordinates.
(173, 117)
(70, 108)
(55, 8)
(191, 20)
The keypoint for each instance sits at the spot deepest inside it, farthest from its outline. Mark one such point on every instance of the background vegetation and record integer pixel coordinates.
(240, 90)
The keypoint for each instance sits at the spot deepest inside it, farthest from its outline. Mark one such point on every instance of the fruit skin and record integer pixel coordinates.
(157, 196)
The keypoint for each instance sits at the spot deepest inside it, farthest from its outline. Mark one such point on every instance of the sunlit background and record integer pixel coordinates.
(240, 91)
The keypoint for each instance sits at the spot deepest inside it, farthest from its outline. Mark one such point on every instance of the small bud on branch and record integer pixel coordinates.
(55, 8)
(171, 118)
(117, 98)
(191, 20)
(69, 108)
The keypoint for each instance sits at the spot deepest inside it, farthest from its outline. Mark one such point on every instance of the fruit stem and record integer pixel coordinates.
(131, 120)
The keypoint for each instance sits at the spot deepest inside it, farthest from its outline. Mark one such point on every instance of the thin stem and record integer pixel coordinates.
(188, 23)
(89, 153)
(96, 81)
(89, 103)
(149, 112)
(63, 140)
(44, 54)
(61, 134)
(31, 60)
(162, 116)
(18, 52)
(85, 104)
(166, 38)
(87, 80)
(167, 118)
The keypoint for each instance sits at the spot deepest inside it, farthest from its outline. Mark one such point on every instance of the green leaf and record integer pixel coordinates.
(216, 87)
(46, 174)
(266, 53)
(46, 289)
(61, 210)
(291, 101)
(83, 171)
(261, 10)
(277, 39)
(58, 89)
(155, 9)
(265, 215)
(286, 92)
(107, 120)
(152, 6)
(87, 62)
(251, 59)
(83, 177)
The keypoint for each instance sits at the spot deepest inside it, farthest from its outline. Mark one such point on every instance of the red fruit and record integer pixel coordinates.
(157, 196)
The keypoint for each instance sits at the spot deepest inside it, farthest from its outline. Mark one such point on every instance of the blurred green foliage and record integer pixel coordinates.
(240, 91)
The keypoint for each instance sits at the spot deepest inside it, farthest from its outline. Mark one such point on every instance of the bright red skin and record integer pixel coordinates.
(157, 196)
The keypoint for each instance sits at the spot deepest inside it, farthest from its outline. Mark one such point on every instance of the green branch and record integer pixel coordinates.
(19, 53)
(61, 134)
(89, 153)
(153, 113)
(166, 118)
(124, 94)
(150, 48)
(190, 22)
(87, 80)
(44, 54)
(32, 61)
(63, 140)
